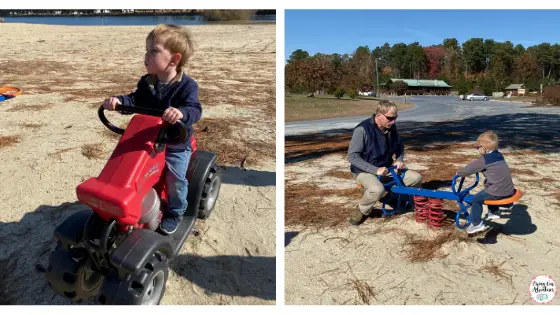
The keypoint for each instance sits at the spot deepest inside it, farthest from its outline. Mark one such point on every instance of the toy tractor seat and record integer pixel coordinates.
(510, 201)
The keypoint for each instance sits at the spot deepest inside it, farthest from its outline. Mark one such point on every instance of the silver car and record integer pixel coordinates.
(477, 97)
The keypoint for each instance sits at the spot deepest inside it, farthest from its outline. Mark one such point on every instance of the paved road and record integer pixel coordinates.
(428, 108)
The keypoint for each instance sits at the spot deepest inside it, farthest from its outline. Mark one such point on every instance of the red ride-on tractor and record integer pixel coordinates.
(114, 251)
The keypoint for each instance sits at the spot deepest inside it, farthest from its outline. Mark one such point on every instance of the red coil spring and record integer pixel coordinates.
(436, 215)
(421, 208)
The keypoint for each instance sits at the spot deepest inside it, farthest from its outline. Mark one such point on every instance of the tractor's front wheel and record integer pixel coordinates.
(70, 274)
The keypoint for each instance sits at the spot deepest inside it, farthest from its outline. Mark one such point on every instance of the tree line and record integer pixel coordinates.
(478, 64)
(210, 15)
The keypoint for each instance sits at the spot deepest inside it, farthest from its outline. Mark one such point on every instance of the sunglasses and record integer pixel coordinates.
(390, 118)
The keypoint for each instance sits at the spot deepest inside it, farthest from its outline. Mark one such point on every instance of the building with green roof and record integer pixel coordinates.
(423, 87)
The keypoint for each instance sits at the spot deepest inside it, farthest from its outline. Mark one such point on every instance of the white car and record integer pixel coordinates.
(477, 97)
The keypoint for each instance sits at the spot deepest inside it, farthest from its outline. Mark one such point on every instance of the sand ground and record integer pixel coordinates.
(51, 140)
(399, 261)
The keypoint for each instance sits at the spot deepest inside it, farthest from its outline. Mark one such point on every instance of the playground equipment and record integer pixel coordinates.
(7, 92)
(429, 203)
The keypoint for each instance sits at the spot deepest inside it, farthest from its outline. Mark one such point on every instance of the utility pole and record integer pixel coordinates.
(377, 74)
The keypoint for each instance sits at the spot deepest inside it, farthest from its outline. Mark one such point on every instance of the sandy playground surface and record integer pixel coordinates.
(51, 140)
(399, 261)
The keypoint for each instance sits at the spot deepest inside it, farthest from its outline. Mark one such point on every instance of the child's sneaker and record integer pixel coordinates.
(169, 225)
(492, 216)
(475, 228)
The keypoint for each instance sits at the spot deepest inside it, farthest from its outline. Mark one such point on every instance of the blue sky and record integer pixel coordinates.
(342, 31)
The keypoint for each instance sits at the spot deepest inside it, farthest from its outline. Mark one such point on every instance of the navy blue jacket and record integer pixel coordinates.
(370, 148)
(181, 94)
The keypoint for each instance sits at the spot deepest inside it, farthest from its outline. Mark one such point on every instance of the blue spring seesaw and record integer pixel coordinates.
(461, 196)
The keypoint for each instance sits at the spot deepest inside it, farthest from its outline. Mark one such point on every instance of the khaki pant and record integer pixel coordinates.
(374, 189)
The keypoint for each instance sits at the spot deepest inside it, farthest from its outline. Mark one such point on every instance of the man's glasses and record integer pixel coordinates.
(390, 118)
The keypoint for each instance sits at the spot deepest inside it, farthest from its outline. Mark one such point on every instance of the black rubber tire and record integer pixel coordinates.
(210, 194)
(134, 289)
(64, 275)
(88, 282)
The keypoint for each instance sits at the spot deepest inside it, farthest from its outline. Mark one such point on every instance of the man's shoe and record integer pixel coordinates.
(471, 229)
(169, 225)
(357, 217)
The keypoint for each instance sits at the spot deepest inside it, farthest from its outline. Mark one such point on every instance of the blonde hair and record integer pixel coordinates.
(176, 39)
(489, 140)
(384, 107)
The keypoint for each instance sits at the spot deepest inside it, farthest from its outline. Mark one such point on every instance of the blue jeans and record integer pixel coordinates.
(477, 202)
(176, 181)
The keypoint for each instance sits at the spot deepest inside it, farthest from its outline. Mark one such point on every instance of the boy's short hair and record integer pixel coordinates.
(489, 140)
(384, 106)
(176, 39)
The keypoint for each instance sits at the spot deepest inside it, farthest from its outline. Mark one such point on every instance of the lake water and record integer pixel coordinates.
(125, 20)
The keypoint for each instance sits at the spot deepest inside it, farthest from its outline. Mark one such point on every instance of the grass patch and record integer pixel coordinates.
(419, 249)
(227, 15)
(300, 107)
(215, 135)
(364, 290)
(528, 99)
(497, 271)
(304, 204)
(6, 141)
(58, 152)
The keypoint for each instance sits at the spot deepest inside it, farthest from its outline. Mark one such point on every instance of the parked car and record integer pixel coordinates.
(462, 97)
(477, 97)
(367, 94)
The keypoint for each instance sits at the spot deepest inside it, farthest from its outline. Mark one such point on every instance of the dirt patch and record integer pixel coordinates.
(93, 151)
(299, 148)
(30, 108)
(58, 153)
(35, 68)
(339, 174)
(6, 141)
(32, 125)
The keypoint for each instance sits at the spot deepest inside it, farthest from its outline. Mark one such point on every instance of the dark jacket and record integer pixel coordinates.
(496, 171)
(371, 148)
(181, 93)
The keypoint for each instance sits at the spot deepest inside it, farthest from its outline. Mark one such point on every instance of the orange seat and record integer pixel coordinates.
(10, 91)
(516, 196)
(359, 186)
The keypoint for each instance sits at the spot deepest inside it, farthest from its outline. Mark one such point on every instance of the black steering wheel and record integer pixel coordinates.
(183, 131)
